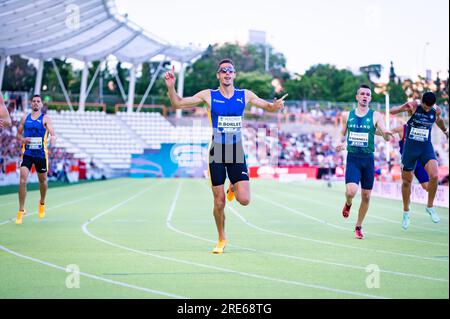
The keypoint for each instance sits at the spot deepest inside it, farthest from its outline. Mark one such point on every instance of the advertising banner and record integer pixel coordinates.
(171, 160)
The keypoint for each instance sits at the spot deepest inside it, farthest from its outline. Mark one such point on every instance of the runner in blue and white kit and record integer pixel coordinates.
(33, 132)
(225, 106)
(418, 148)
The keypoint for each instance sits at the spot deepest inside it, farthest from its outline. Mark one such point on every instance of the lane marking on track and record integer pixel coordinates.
(221, 269)
(11, 220)
(113, 282)
(373, 203)
(341, 245)
(95, 277)
(311, 260)
(324, 222)
(336, 192)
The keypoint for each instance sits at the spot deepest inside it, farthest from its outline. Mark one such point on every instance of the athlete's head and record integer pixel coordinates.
(36, 103)
(429, 99)
(226, 72)
(364, 95)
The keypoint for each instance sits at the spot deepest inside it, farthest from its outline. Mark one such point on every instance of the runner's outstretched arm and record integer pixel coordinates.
(440, 121)
(183, 102)
(253, 99)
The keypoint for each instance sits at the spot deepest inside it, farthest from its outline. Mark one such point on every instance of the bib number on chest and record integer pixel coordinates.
(35, 143)
(229, 124)
(357, 139)
(419, 134)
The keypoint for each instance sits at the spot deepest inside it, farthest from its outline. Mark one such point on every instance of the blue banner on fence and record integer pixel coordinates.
(171, 160)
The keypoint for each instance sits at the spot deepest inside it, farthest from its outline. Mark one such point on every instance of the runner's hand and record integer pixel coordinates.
(170, 78)
(278, 104)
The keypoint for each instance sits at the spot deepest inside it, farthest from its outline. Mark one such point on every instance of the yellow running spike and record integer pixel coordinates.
(230, 193)
(220, 247)
(19, 217)
(41, 210)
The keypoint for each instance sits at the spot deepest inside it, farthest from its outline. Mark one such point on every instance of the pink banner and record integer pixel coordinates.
(418, 194)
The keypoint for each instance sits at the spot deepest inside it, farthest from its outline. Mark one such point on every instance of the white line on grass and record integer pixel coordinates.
(65, 204)
(377, 203)
(297, 212)
(56, 191)
(311, 260)
(337, 244)
(8, 204)
(186, 262)
(374, 203)
(114, 282)
(370, 216)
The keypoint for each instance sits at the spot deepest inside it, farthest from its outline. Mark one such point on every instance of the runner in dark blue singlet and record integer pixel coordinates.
(226, 157)
(418, 148)
(33, 134)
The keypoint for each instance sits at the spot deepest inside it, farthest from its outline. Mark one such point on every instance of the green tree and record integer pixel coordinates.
(247, 59)
(259, 83)
(396, 93)
(50, 79)
(20, 75)
(323, 82)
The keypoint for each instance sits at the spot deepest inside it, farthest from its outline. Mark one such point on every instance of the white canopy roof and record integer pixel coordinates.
(86, 30)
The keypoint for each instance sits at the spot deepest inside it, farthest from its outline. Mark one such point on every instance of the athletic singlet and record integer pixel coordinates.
(226, 116)
(419, 126)
(36, 130)
(360, 133)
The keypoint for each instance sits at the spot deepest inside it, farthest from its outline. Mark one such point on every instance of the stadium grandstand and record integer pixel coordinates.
(106, 142)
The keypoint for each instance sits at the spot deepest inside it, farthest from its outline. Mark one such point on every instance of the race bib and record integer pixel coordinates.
(35, 143)
(358, 139)
(229, 124)
(419, 134)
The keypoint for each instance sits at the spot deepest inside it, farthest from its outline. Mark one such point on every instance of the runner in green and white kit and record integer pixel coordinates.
(358, 129)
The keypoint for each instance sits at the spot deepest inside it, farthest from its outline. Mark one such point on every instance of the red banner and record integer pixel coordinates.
(275, 172)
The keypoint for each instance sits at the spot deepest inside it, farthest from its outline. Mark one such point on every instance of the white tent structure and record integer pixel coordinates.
(86, 30)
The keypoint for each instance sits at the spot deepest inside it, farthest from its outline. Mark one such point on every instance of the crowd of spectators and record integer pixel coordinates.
(304, 149)
(265, 144)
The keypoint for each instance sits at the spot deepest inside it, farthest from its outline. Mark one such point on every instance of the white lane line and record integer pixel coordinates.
(186, 262)
(324, 222)
(311, 260)
(11, 220)
(377, 203)
(113, 282)
(380, 251)
(372, 204)
(8, 204)
(56, 191)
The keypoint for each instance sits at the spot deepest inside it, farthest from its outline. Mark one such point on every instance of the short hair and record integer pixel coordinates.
(225, 61)
(36, 95)
(364, 86)
(429, 98)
